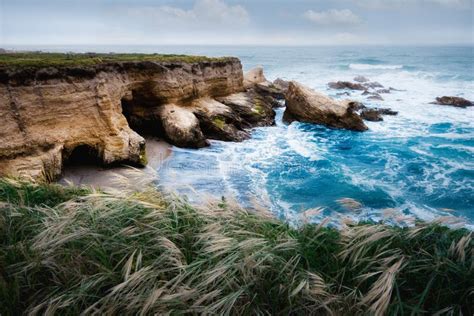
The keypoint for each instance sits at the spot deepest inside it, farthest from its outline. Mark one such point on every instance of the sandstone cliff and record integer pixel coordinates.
(48, 112)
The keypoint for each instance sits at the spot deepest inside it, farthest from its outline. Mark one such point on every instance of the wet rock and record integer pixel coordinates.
(383, 91)
(375, 114)
(361, 79)
(453, 101)
(306, 105)
(346, 85)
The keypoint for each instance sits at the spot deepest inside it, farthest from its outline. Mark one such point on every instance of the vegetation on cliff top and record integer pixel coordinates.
(66, 250)
(42, 59)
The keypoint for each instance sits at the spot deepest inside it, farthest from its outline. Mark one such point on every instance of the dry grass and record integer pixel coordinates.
(69, 251)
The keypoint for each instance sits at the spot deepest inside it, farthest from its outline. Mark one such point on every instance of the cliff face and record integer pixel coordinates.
(49, 112)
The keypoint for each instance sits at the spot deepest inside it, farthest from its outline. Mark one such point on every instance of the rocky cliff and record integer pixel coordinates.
(48, 112)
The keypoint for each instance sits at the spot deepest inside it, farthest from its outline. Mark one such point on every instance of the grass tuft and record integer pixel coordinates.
(66, 250)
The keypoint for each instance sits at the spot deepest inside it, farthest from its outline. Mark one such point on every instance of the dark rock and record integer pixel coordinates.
(270, 90)
(375, 114)
(372, 85)
(387, 111)
(306, 105)
(383, 91)
(252, 108)
(361, 79)
(355, 105)
(453, 101)
(371, 115)
(346, 85)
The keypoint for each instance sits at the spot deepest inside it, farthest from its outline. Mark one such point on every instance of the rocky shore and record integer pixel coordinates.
(100, 107)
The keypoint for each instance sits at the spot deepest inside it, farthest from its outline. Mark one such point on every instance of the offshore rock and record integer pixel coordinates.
(454, 101)
(306, 105)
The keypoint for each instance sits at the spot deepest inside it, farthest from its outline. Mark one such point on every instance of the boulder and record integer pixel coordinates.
(371, 115)
(361, 79)
(375, 114)
(454, 101)
(181, 126)
(306, 105)
(346, 85)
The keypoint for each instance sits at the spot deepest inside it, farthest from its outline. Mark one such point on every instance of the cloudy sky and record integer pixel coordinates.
(251, 22)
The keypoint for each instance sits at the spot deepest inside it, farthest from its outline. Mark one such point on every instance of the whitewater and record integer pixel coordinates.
(416, 165)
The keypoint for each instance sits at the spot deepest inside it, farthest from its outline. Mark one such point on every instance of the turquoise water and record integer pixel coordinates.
(419, 163)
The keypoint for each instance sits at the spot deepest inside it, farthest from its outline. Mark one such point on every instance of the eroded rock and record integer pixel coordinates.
(48, 112)
(182, 126)
(306, 105)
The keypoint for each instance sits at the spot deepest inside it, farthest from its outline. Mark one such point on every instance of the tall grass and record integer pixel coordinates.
(69, 251)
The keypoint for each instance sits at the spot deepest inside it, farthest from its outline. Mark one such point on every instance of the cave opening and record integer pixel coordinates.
(142, 115)
(82, 155)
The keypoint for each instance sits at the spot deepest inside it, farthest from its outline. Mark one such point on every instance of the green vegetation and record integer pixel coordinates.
(66, 250)
(219, 122)
(40, 59)
(258, 108)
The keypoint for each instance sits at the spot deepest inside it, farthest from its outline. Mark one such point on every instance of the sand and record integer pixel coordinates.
(119, 178)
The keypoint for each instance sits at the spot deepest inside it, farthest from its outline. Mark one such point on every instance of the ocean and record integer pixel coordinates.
(416, 165)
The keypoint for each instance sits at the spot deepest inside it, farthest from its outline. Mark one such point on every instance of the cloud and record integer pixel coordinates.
(204, 14)
(332, 17)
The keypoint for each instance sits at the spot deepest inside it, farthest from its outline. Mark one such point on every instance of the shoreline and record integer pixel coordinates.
(158, 152)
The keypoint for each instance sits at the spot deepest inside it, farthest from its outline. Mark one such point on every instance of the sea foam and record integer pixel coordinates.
(374, 67)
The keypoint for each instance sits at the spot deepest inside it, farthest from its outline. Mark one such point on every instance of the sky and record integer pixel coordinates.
(236, 22)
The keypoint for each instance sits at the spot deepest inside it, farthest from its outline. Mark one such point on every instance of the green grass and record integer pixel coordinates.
(68, 251)
(40, 59)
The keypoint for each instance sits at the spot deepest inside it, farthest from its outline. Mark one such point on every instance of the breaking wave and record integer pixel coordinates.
(374, 67)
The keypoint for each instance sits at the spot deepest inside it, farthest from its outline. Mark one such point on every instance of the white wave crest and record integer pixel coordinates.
(372, 67)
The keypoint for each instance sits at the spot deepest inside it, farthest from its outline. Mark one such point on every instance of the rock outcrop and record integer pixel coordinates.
(375, 114)
(346, 85)
(306, 105)
(454, 101)
(48, 112)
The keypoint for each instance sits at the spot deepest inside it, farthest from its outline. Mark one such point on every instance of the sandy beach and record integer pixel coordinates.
(157, 151)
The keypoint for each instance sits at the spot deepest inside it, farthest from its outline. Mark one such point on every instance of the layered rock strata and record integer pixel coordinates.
(50, 112)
